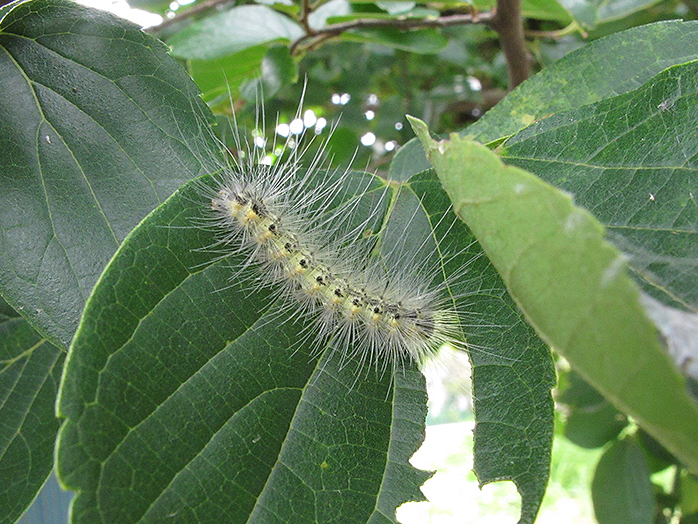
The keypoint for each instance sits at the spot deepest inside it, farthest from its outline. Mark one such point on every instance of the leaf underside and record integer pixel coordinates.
(216, 408)
(210, 396)
(72, 100)
(637, 169)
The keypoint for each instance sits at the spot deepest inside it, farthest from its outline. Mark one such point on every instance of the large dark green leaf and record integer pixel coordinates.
(600, 70)
(30, 369)
(215, 410)
(92, 118)
(632, 159)
(513, 410)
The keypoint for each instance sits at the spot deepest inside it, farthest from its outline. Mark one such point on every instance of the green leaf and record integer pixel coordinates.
(424, 41)
(215, 410)
(220, 79)
(203, 378)
(603, 69)
(278, 70)
(78, 131)
(30, 369)
(591, 420)
(539, 9)
(408, 161)
(658, 458)
(512, 375)
(232, 31)
(578, 393)
(396, 7)
(318, 17)
(546, 10)
(594, 427)
(571, 284)
(512, 371)
(591, 14)
(631, 160)
(621, 489)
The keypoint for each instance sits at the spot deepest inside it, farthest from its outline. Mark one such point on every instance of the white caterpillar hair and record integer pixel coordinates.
(326, 240)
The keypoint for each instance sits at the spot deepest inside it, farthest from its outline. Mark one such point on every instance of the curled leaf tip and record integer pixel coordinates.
(422, 131)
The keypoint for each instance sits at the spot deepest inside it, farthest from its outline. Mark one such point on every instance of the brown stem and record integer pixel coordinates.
(306, 9)
(508, 23)
(334, 30)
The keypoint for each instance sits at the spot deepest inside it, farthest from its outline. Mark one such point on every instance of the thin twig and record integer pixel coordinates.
(334, 30)
(508, 23)
(306, 9)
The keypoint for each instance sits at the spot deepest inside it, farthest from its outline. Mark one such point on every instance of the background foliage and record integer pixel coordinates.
(612, 123)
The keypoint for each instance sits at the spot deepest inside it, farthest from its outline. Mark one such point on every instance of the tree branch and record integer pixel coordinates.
(508, 23)
(305, 12)
(506, 20)
(316, 36)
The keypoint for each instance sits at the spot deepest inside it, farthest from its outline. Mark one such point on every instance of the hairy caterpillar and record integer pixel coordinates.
(314, 239)
(229, 394)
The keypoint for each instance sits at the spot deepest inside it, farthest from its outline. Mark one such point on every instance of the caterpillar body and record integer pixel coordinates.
(382, 303)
